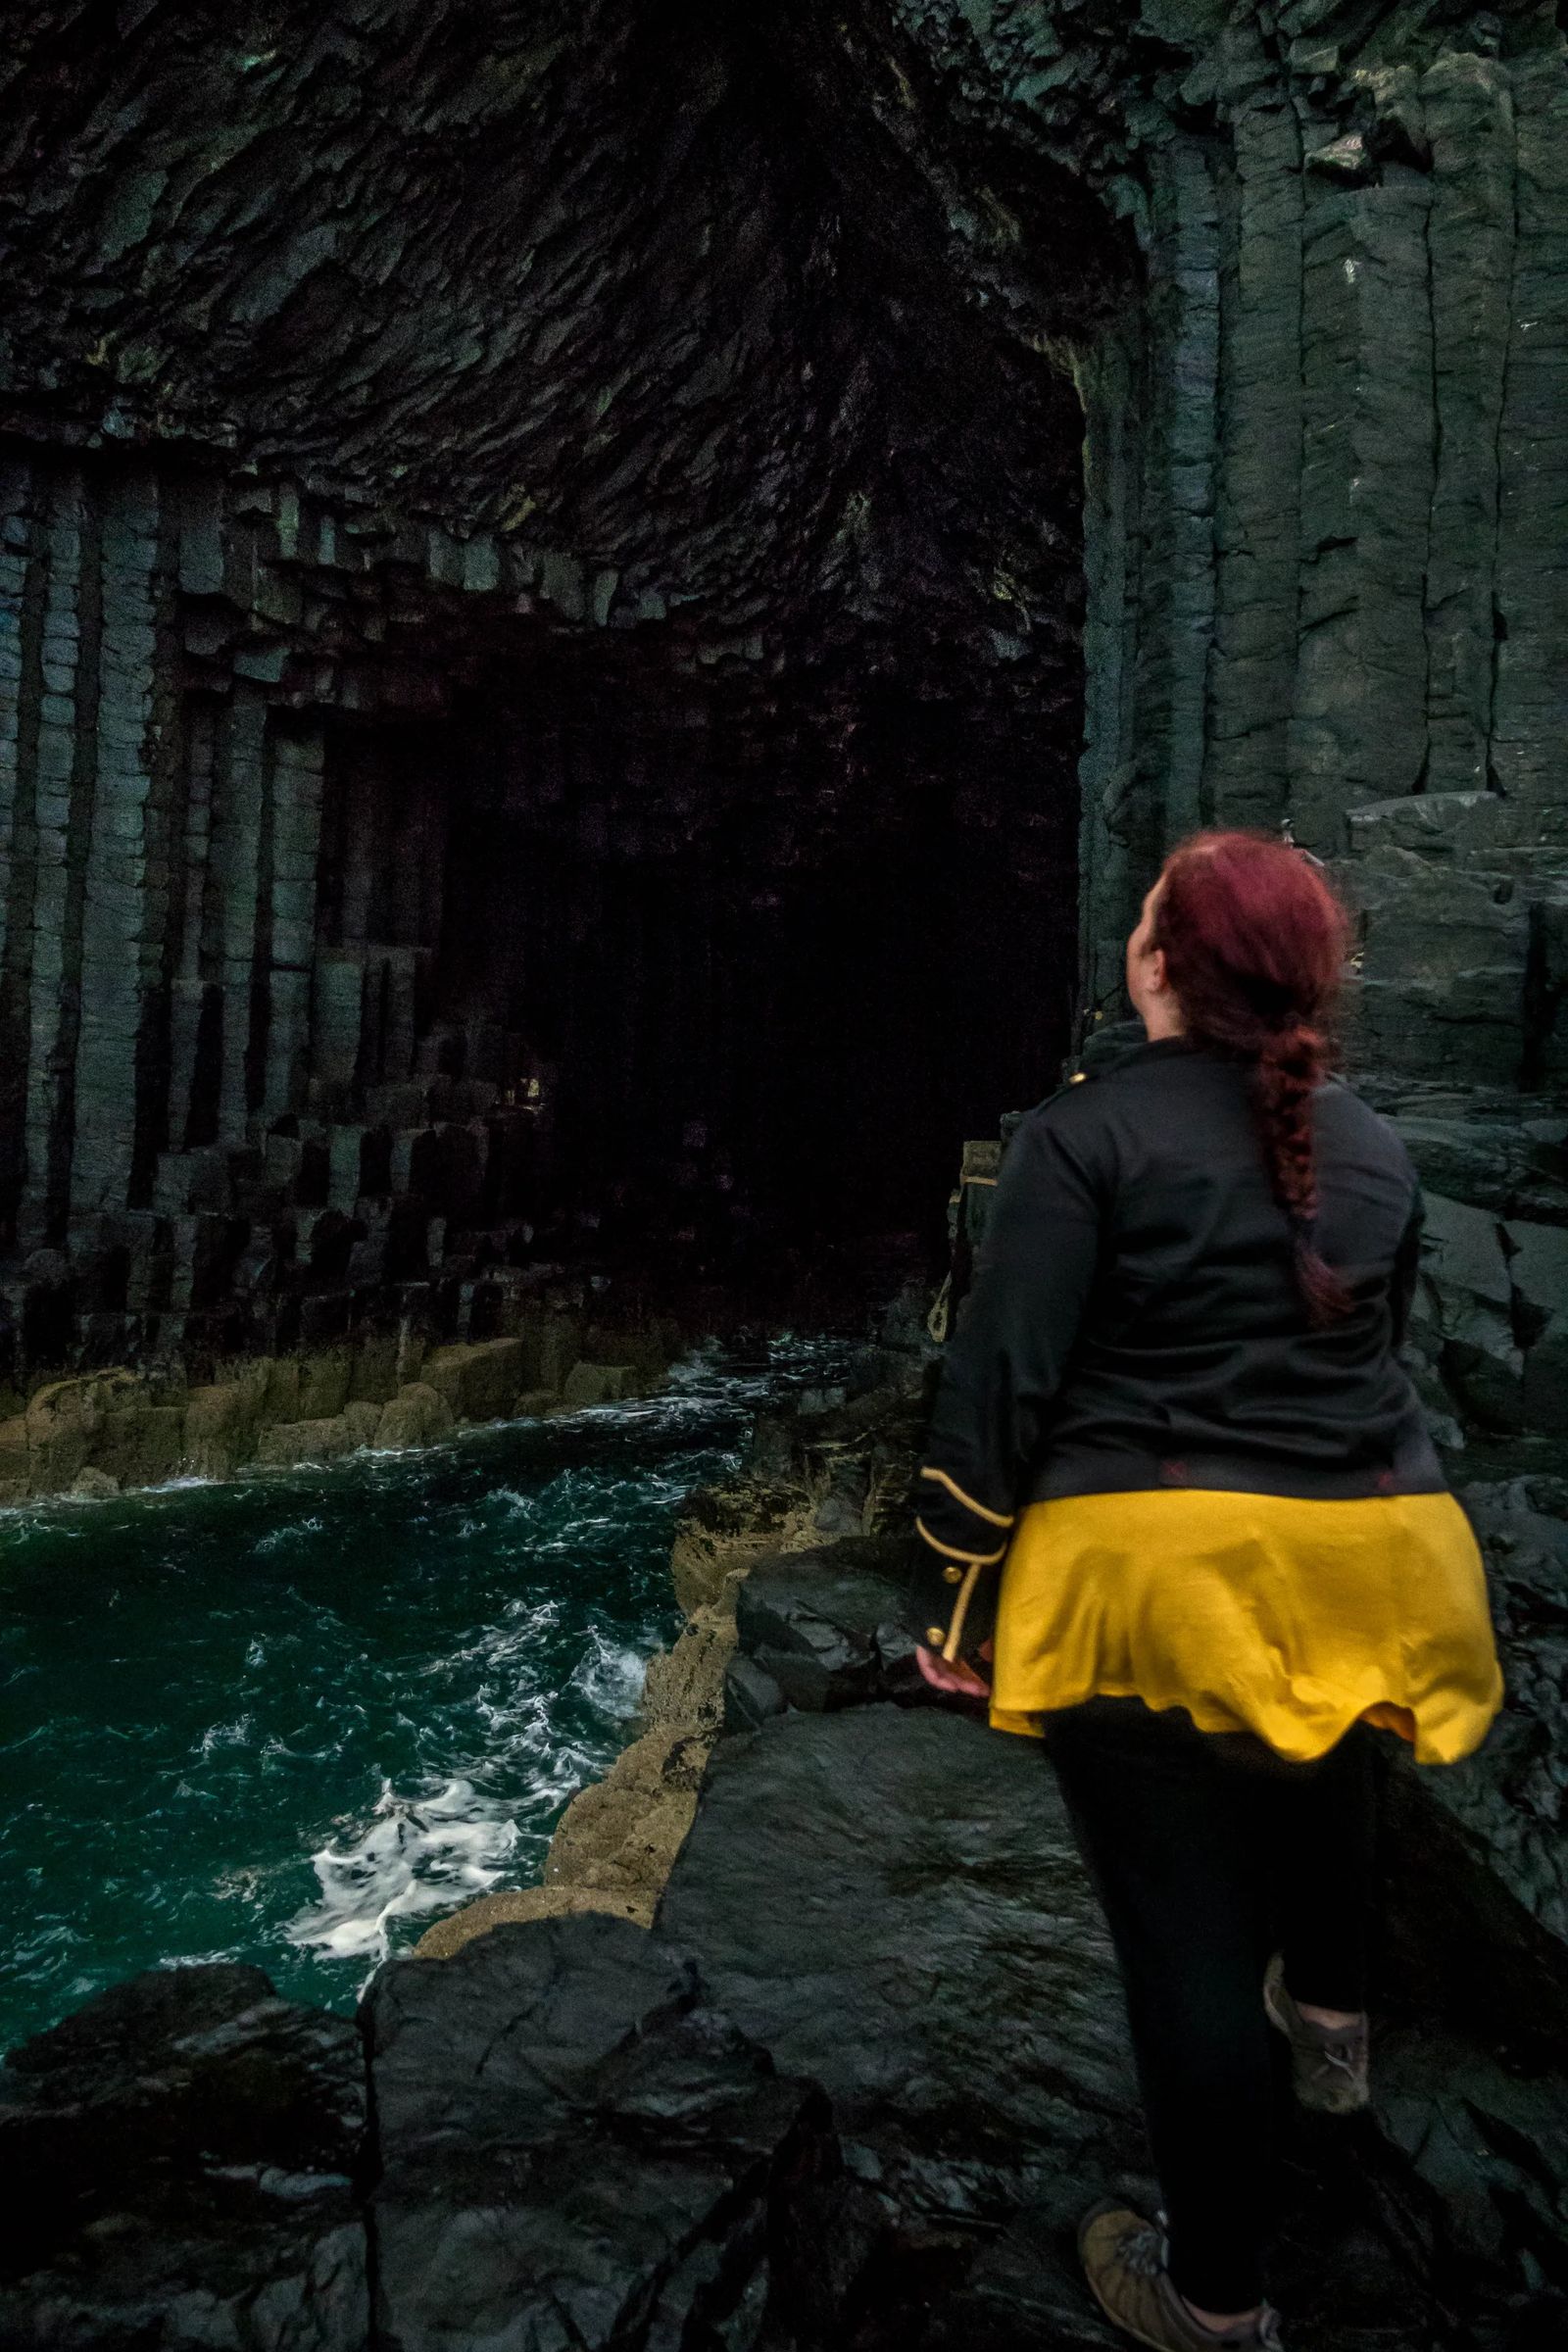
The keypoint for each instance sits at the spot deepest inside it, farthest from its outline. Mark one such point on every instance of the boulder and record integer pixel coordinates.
(534, 1404)
(221, 1425)
(362, 1419)
(307, 1441)
(180, 2159)
(142, 1444)
(829, 1625)
(417, 1415)
(94, 1485)
(479, 1380)
(66, 1423)
(578, 2149)
(588, 1384)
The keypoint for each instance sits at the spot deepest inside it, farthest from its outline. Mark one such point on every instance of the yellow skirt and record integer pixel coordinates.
(1254, 1612)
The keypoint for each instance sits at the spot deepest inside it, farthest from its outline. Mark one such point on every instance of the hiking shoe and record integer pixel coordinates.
(1124, 2262)
(1328, 2063)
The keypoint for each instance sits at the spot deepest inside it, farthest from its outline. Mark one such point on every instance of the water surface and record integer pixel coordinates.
(292, 1719)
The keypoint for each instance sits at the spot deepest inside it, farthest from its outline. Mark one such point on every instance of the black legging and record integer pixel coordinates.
(1208, 1853)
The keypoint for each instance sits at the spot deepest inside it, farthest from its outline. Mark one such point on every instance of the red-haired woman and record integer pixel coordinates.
(1174, 1409)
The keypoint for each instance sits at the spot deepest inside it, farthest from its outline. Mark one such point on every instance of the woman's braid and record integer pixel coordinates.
(1254, 943)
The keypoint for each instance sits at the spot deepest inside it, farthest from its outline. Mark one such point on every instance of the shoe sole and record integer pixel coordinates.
(1357, 2104)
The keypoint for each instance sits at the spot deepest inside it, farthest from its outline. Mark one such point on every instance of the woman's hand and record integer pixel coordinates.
(957, 1678)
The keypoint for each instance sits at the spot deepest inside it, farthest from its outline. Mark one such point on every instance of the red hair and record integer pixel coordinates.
(1254, 943)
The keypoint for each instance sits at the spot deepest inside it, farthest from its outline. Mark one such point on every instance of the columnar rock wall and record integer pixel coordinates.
(390, 371)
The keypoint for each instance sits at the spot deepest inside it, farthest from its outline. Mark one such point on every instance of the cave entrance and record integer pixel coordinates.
(743, 867)
(735, 968)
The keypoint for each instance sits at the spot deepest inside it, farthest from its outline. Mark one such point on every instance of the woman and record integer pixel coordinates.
(1173, 1409)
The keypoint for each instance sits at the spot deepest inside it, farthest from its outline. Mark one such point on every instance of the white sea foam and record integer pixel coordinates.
(417, 1855)
(610, 1675)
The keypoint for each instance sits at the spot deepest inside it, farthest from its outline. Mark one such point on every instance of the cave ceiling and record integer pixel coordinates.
(639, 288)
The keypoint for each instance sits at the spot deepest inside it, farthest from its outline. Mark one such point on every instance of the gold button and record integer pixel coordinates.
(934, 1637)
(952, 1573)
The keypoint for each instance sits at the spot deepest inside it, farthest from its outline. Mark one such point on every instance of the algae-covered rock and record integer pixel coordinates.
(142, 1444)
(94, 1485)
(417, 1415)
(221, 1428)
(621, 1834)
(514, 1905)
(588, 1384)
(479, 1382)
(308, 1441)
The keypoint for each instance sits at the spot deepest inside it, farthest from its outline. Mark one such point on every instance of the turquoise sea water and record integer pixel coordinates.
(291, 1720)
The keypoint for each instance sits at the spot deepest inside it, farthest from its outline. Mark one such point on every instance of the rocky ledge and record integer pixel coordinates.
(849, 2087)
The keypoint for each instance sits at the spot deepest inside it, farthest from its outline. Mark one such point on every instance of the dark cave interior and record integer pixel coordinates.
(619, 705)
(755, 964)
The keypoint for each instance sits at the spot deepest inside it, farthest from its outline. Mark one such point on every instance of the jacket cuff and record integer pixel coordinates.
(953, 1601)
(961, 1525)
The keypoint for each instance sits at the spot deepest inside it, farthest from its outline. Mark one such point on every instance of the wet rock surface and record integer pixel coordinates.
(182, 2162)
(890, 1902)
(578, 2147)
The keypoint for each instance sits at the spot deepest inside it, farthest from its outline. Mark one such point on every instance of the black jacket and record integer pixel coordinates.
(1135, 1320)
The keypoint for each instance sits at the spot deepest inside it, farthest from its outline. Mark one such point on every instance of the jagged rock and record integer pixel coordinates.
(830, 1627)
(180, 2159)
(915, 1874)
(750, 1695)
(727, 1528)
(579, 2148)
(1537, 1273)
(417, 1415)
(1465, 1303)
